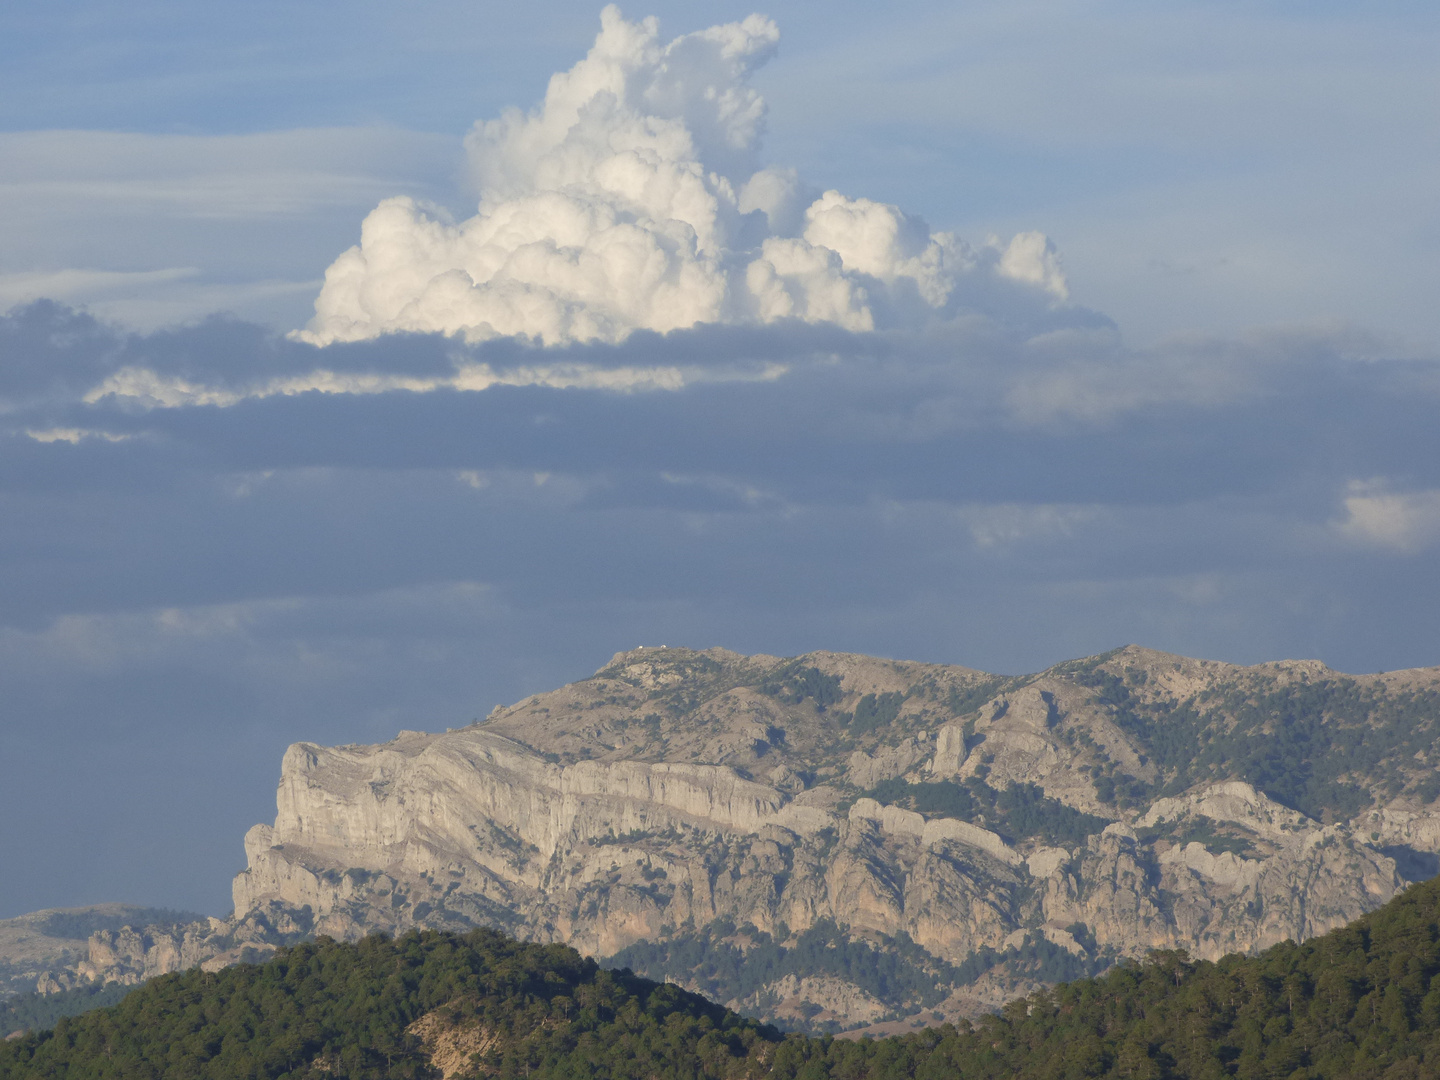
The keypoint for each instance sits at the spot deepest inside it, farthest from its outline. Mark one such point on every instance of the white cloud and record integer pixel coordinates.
(632, 199)
(1406, 522)
(799, 280)
(74, 435)
(149, 389)
(1031, 258)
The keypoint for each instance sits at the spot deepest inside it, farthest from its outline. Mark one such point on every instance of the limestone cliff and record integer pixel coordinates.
(840, 841)
(45, 949)
(66, 948)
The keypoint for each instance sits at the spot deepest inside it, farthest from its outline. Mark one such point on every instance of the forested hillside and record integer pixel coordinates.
(1363, 1001)
(331, 1009)
(35, 1012)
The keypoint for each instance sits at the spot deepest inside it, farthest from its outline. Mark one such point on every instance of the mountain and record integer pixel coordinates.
(1359, 1002)
(840, 842)
(34, 947)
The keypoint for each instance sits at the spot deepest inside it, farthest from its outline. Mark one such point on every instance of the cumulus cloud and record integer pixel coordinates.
(1405, 522)
(1030, 257)
(633, 198)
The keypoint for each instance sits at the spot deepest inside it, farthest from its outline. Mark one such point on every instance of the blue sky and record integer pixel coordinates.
(1219, 438)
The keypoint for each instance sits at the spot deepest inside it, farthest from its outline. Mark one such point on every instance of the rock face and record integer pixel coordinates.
(61, 949)
(841, 841)
(43, 949)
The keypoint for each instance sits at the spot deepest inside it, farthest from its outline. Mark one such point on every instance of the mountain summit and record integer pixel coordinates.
(836, 841)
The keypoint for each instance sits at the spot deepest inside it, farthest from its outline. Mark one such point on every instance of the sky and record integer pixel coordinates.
(356, 376)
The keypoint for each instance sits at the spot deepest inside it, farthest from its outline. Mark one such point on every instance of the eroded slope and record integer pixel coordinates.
(835, 840)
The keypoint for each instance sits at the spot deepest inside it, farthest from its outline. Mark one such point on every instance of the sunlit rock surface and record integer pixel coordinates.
(988, 831)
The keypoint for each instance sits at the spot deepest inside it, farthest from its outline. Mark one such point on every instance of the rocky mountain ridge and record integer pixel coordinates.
(835, 840)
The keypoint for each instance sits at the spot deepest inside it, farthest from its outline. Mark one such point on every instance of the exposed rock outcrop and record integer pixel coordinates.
(991, 832)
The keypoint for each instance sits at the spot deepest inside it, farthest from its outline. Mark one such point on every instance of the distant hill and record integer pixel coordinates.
(1357, 1002)
(838, 842)
(34, 948)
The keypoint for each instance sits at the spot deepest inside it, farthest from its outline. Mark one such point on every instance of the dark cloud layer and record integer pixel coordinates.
(189, 587)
